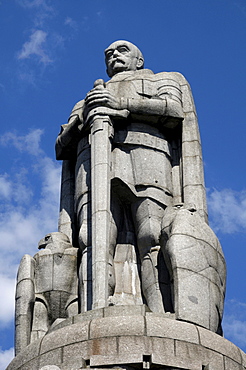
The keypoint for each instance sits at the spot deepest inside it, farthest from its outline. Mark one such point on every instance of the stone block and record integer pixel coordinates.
(218, 344)
(190, 129)
(232, 365)
(132, 310)
(194, 176)
(191, 297)
(146, 346)
(102, 346)
(131, 358)
(117, 326)
(243, 354)
(66, 335)
(134, 344)
(195, 194)
(161, 327)
(33, 364)
(53, 357)
(26, 268)
(211, 359)
(66, 282)
(44, 272)
(192, 148)
(189, 351)
(188, 103)
(89, 315)
(24, 291)
(75, 352)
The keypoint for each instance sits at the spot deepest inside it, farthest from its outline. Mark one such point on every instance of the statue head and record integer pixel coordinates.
(123, 56)
(54, 241)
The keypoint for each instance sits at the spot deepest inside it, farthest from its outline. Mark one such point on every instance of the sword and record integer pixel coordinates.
(102, 131)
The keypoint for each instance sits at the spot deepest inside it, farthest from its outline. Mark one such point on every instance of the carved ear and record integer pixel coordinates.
(140, 63)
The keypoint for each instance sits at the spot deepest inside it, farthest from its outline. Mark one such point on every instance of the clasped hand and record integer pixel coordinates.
(100, 96)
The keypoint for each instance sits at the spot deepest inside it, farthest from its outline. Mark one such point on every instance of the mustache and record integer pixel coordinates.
(117, 60)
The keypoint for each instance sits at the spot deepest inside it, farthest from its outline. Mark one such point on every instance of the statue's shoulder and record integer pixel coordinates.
(175, 76)
(78, 105)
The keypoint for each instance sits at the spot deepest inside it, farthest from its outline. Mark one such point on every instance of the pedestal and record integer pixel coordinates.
(129, 337)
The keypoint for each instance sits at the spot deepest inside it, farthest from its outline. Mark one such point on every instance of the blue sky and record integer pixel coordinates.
(52, 52)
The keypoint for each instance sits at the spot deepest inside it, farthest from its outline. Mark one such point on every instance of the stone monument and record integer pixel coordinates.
(135, 277)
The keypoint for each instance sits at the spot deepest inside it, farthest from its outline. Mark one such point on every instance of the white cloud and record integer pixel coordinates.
(72, 23)
(8, 292)
(5, 186)
(29, 210)
(29, 143)
(39, 10)
(234, 322)
(5, 357)
(36, 47)
(34, 4)
(227, 209)
(235, 330)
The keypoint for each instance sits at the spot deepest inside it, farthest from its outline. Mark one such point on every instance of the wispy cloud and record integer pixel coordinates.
(234, 322)
(71, 23)
(36, 46)
(34, 4)
(5, 187)
(6, 357)
(40, 11)
(227, 210)
(28, 211)
(29, 143)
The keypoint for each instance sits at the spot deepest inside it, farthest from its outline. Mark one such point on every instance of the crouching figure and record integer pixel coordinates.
(46, 288)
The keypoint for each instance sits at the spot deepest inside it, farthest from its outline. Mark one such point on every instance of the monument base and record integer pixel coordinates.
(129, 337)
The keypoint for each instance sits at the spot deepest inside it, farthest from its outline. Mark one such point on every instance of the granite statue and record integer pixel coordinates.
(133, 225)
(135, 277)
(132, 158)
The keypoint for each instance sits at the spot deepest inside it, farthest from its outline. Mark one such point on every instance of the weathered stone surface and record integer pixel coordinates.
(212, 341)
(196, 265)
(163, 327)
(69, 334)
(52, 357)
(126, 140)
(46, 289)
(29, 353)
(142, 340)
(112, 326)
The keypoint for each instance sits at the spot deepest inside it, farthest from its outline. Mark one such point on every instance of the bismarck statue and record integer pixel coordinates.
(134, 277)
(132, 147)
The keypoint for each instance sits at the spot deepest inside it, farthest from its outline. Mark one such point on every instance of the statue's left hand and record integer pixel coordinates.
(100, 96)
